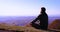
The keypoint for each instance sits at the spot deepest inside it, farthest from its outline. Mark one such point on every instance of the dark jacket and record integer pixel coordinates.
(43, 18)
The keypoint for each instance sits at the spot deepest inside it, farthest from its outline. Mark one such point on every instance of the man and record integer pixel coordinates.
(41, 22)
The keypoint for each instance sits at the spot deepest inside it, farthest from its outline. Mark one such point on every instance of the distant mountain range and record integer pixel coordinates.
(22, 20)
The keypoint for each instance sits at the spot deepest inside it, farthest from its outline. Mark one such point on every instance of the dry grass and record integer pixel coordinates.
(20, 28)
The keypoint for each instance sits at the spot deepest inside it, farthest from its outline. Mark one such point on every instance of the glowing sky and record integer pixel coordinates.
(28, 7)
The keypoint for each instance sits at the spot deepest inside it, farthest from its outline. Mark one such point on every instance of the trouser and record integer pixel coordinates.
(43, 27)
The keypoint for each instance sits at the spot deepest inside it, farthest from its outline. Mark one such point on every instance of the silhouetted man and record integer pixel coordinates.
(43, 20)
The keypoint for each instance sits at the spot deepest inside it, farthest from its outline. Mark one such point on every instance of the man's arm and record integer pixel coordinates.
(35, 19)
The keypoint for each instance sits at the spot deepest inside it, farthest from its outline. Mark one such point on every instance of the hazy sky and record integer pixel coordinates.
(28, 7)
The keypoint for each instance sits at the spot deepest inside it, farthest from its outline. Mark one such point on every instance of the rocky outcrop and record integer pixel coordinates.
(55, 24)
(5, 27)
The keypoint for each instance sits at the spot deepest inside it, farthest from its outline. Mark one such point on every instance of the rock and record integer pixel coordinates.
(55, 24)
(19, 28)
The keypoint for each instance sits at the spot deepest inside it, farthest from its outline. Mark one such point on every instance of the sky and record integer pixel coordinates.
(29, 7)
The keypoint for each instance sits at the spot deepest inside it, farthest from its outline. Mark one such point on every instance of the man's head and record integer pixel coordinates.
(43, 9)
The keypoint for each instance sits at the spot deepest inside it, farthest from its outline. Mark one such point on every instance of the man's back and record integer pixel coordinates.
(43, 18)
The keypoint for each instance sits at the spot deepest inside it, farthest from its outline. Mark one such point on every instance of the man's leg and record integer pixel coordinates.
(35, 26)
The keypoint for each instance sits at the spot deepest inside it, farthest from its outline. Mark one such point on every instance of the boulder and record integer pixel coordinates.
(55, 24)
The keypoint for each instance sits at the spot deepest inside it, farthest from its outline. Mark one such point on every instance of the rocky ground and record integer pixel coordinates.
(7, 28)
(27, 28)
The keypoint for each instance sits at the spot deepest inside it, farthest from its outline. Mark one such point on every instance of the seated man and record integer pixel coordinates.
(41, 22)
